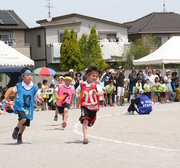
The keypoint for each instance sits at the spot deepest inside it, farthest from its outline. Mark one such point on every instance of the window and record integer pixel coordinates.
(157, 41)
(38, 40)
(61, 37)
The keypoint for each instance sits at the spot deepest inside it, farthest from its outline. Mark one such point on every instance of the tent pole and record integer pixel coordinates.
(163, 70)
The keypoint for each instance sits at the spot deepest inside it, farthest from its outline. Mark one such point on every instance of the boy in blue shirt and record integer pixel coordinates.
(24, 102)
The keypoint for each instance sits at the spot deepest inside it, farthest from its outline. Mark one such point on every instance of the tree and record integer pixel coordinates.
(1, 77)
(91, 51)
(64, 51)
(140, 49)
(70, 54)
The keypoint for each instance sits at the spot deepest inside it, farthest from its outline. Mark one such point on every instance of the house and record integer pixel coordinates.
(12, 31)
(161, 25)
(46, 39)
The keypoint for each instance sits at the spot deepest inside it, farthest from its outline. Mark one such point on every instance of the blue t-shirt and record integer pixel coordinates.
(25, 100)
(145, 105)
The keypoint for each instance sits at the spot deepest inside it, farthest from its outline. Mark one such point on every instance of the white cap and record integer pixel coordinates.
(167, 70)
(140, 91)
(113, 72)
(120, 67)
(61, 77)
(86, 69)
(71, 70)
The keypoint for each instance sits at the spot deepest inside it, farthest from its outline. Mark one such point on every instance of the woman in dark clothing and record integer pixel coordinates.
(132, 83)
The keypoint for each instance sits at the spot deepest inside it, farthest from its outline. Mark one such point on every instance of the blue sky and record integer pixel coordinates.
(114, 10)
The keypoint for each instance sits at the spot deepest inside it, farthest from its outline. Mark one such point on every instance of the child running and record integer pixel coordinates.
(64, 93)
(60, 81)
(24, 102)
(89, 100)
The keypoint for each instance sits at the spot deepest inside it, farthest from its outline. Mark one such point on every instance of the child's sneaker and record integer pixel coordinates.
(19, 139)
(85, 141)
(15, 134)
(131, 112)
(126, 113)
(55, 118)
(64, 124)
(167, 101)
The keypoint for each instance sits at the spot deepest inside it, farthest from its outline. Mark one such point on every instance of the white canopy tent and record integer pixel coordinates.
(168, 53)
(12, 59)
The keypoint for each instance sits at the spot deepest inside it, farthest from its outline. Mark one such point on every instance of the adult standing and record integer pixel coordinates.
(54, 81)
(132, 84)
(112, 77)
(71, 73)
(120, 85)
(106, 77)
(167, 80)
(77, 80)
(85, 75)
(145, 73)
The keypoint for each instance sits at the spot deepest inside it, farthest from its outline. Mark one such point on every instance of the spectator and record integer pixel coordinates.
(167, 80)
(85, 75)
(145, 72)
(120, 86)
(71, 73)
(132, 84)
(139, 84)
(156, 89)
(108, 93)
(77, 80)
(147, 89)
(55, 80)
(45, 96)
(162, 90)
(106, 77)
(60, 79)
(112, 77)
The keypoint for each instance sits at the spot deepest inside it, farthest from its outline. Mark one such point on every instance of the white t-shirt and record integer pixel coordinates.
(169, 80)
(151, 80)
(27, 87)
(98, 87)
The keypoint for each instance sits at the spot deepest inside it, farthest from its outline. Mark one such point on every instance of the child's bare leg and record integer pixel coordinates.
(21, 122)
(22, 129)
(84, 128)
(117, 99)
(56, 112)
(110, 100)
(65, 114)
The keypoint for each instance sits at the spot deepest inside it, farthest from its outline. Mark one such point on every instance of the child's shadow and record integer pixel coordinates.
(16, 143)
(54, 129)
(74, 142)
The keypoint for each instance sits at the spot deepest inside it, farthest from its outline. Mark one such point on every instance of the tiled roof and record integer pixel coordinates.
(83, 16)
(162, 22)
(20, 23)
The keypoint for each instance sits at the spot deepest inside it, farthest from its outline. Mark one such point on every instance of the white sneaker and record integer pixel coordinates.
(131, 112)
(126, 113)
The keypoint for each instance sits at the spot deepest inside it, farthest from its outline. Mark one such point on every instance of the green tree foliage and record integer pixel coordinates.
(91, 51)
(64, 51)
(1, 77)
(139, 49)
(70, 55)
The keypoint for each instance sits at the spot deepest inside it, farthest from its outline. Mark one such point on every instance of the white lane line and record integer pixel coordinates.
(75, 129)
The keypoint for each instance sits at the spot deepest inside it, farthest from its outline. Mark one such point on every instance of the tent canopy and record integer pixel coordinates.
(168, 53)
(11, 59)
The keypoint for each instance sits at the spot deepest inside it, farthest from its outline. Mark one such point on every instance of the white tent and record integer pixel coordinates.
(168, 53)
(10, 58)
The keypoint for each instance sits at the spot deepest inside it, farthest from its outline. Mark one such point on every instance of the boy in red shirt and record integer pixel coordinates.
(89, 100)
